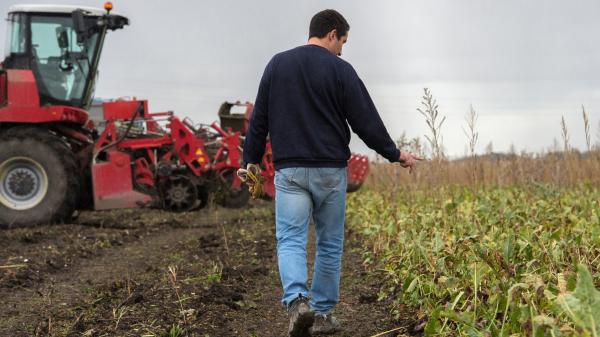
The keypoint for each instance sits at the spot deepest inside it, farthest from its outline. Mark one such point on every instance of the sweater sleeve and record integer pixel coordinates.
(364, 118)
(256, 136)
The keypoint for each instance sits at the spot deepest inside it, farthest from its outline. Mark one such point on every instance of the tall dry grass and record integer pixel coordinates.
(560, 169)
(598, 137)
(586, 127)
(432, 117)
(564, 168)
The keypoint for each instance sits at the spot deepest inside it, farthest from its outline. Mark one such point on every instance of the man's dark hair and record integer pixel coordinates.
(326, 21)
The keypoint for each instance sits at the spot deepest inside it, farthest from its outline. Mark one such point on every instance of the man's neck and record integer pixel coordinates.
(318, 42)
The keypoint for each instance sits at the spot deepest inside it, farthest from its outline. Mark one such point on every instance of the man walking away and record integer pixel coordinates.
(306, 98)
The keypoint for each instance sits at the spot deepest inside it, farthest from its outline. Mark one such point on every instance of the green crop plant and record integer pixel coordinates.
(174, 331)
(494, 261)
(214, 273)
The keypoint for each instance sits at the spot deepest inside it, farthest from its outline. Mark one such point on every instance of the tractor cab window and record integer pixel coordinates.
(16, 39)
(61, 65)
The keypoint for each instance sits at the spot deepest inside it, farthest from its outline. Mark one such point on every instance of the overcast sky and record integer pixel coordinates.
(521, 64)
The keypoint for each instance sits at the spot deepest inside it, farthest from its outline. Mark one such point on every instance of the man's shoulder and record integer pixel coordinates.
(307, 50)
(283, 55)
(344, 64)
(289, 52)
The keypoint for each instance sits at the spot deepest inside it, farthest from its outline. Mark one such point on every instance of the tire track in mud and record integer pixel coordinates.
(209, 274)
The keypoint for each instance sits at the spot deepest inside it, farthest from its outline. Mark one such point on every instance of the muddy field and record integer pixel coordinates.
(152, 273)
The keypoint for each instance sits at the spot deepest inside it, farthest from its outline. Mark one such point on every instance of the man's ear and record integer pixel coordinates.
(332, 35)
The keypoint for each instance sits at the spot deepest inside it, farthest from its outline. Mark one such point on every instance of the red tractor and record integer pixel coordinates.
(53, 161)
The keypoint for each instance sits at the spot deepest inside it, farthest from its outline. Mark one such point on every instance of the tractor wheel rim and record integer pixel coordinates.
(23, 183)
(180, 195)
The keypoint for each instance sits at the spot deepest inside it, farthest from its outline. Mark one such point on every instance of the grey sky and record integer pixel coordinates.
(522, 64)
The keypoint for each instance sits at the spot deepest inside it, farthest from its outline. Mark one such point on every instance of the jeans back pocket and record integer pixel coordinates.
(331, 176)
(287, 174)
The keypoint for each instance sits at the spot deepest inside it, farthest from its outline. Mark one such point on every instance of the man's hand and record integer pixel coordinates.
(408, 159)
(252, 177)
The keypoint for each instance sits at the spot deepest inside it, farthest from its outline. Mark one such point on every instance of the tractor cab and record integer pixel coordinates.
(61, 45)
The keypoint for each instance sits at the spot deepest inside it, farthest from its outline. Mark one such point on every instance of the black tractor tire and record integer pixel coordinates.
(203, 196)
(237, 199)
(230, 198)
(41, 154)
(353, 187)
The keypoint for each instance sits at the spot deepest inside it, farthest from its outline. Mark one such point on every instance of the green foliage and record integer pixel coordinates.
(491, 262)
(582, 306)
(215, 274)
(174, 331)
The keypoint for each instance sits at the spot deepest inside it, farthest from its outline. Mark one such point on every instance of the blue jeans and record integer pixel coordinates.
(302, 192)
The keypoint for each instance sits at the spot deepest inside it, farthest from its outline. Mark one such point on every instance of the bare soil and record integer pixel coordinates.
(149, 273)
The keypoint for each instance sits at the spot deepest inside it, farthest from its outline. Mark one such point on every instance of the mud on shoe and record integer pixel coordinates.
(301, 318)
(325, 325)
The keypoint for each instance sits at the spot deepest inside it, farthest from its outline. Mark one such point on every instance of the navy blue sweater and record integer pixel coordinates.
(306, 99)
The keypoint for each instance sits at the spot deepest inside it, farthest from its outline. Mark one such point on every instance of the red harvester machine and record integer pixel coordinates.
(176, 169)
(53, 159)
